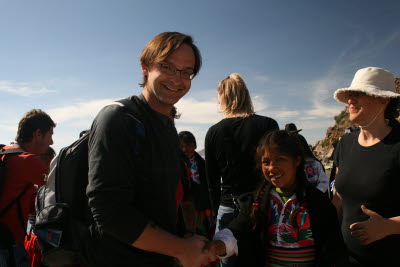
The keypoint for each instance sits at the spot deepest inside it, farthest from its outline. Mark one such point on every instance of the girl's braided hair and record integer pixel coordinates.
(289, 145)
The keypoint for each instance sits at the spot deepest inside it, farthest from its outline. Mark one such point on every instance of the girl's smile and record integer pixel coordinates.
(279, 169)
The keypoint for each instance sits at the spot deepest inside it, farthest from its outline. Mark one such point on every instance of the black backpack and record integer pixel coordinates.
(63, 217)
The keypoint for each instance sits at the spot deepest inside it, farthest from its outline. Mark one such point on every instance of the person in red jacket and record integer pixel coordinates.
(23, 171)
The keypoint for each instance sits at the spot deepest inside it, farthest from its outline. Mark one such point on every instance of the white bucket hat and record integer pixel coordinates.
(372, 81)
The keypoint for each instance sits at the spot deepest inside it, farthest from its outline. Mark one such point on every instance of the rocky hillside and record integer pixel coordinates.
(323, 149)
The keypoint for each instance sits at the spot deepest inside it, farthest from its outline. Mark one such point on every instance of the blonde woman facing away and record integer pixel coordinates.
(230, 147)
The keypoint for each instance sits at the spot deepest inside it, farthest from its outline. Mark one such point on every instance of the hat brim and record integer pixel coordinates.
(341, 95)
(296, 131)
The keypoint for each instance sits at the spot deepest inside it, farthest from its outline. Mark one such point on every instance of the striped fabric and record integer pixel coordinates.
(277, 256)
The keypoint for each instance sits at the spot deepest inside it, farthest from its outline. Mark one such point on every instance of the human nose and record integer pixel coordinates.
(273, 166)
(352, 97)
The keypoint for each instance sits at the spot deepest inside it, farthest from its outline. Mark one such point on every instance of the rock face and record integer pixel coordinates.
(323, 149)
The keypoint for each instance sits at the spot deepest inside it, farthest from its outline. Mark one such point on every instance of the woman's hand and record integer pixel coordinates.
(371, 230)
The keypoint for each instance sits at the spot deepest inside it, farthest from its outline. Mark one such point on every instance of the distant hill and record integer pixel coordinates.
(323, 149)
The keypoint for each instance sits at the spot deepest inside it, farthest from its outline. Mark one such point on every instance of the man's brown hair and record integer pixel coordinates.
(161, 46)
(30, 122)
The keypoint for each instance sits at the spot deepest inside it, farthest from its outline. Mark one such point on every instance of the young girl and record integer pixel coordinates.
(287, 222)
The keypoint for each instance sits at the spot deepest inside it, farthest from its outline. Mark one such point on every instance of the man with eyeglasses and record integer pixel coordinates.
(132, 193)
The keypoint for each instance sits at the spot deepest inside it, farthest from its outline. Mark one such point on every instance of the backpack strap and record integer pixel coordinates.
(135, 112)
(10, 151)
(131, 108)
(19, 209)
(12, 202)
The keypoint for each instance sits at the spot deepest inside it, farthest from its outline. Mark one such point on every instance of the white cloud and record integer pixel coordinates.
(282, 114)
(261, 78)
(321, 92)
(22, 89)
(193, 111)
(309, 118)
(207, 112)
(79, 111)
(392, 37)
(372, 48)
(316, 124)
(8, 128)
(259, 103)
(324, 111)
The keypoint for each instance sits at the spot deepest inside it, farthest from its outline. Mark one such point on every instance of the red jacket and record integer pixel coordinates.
(21, 170)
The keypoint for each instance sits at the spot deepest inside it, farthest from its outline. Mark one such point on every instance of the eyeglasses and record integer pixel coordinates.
(171, 70)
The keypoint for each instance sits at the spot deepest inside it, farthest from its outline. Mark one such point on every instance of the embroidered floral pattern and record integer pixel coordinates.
(280, 231)
(311, 171)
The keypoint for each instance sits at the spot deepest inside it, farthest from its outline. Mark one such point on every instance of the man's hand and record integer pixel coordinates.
(216, 248)
(370, 230)
(195, 253)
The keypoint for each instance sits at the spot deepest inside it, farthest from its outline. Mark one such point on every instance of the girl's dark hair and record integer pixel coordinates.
(305, 147)
(187, 137)
(391, 112)
(289, 145)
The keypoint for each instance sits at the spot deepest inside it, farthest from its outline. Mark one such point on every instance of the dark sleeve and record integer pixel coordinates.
(111, 185)
(335, 246)
(326, 230)
(212, 172)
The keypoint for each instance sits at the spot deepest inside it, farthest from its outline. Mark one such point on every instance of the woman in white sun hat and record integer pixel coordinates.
(368, 174)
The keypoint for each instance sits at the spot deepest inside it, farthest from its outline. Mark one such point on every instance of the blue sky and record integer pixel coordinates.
(70, 58)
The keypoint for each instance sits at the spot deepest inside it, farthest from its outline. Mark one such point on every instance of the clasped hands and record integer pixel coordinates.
(200, 251)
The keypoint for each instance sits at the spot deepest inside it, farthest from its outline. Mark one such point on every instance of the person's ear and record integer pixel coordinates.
(145, 69)
(37, 133)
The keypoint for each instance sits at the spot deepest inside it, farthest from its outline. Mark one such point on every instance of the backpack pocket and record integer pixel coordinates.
(50, 223)
(58, 236)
